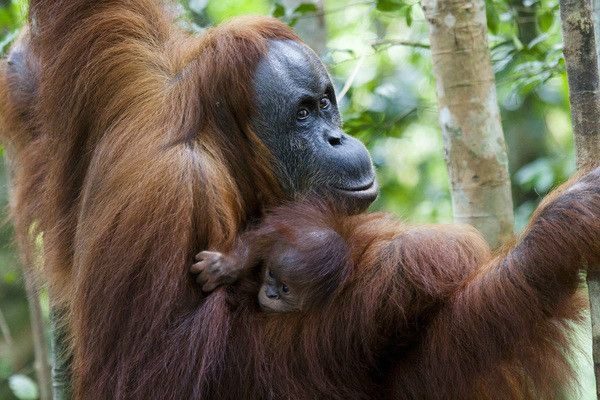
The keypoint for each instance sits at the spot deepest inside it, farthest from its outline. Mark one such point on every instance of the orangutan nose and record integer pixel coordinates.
(272, 293)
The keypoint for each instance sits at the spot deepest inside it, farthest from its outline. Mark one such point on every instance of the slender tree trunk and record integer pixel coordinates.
(581, 57)
(525, 19)
(311, 28)
(469, 117)
(40, 344)
(596, 6)
(10, 344)
(61, 358)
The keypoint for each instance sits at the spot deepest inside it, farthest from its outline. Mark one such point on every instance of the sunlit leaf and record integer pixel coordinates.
(493, 19)
(390, 5)
(306, 8)
(23, 387)
(517, 42)
(545, 20)
(408, 15)
(10, 277)
(537, 40)
(278, 10)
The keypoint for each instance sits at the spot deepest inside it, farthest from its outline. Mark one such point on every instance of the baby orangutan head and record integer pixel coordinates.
(302, 270)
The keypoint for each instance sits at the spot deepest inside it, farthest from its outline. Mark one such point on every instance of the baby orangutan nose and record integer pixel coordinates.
(271, 292)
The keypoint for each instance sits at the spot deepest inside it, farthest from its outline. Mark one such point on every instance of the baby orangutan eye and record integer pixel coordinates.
(285, 288)
(302, 114)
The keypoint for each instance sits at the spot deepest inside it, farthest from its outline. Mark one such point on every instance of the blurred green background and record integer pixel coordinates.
(380, 47)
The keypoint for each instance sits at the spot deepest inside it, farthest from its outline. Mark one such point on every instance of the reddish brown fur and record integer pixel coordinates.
(318, 259)
(428, 313)
(128, 150)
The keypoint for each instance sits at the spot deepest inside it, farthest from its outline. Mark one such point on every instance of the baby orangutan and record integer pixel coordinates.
(298, 266)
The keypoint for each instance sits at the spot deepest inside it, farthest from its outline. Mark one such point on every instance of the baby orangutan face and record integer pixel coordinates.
(294, 274)
(278, 293)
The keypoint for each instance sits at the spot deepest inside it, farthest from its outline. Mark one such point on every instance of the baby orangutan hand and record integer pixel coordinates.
(213, 269)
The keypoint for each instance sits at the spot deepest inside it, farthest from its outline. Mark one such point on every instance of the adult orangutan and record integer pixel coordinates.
(135, 146)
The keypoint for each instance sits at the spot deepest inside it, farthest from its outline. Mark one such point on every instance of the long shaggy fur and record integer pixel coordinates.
(132, 151)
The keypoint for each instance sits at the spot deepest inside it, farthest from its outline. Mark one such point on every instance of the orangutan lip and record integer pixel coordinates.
(367, 191)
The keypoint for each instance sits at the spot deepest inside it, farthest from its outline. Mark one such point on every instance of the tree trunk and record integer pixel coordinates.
(469, 117)
(525, 20)
(61, 358)
(40, 344)
(581, 58)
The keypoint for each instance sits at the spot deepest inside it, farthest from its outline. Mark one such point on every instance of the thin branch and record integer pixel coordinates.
(351, 78)
(6, 331)
(40, 346)
(324, 12)
(42, 365)
(10, 344)
(377, 44)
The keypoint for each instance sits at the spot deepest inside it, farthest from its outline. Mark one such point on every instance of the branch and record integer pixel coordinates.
(42, 365)
(4, 328)
(397, 42)
(351, 78)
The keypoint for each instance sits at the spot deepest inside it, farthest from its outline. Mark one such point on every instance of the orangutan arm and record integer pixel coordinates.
(503, 334)
(213, 268)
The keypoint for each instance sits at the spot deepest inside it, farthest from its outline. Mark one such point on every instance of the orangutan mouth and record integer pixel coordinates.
(365, 193)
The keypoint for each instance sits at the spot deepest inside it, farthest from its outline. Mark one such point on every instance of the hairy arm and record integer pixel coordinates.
(436, 259)
(503, 333)
(213, 268)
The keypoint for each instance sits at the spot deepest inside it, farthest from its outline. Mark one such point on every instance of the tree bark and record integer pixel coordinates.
(40, 344)
(581, 58)
(61, 358)
(5, 331)
(470, 117)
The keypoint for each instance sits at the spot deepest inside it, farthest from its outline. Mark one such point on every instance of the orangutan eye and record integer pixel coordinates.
(271, 274)
(302, 113)
(324, 103)
(285, 288)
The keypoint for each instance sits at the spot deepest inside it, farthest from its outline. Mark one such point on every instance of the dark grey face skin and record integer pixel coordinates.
(298, 120)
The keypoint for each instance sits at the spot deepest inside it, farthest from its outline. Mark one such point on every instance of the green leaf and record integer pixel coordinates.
(23, 387)
(545, 20)
(493, 19)
(517, 42)
(408, 15)
(10, 277)
(278, 10)
(306, 8)
(390, 5)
